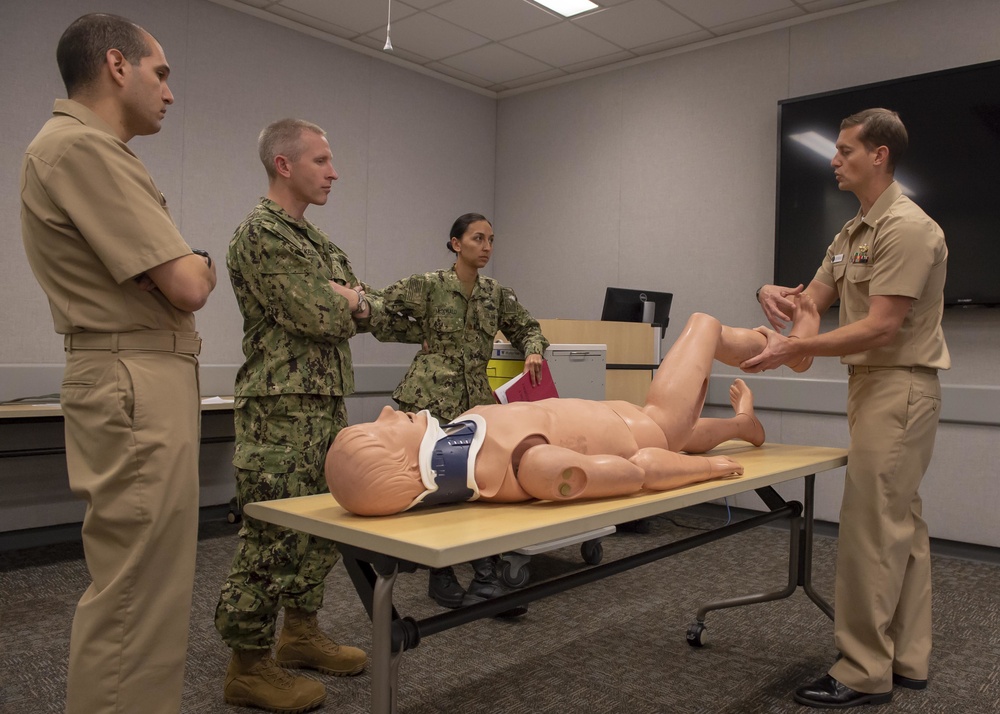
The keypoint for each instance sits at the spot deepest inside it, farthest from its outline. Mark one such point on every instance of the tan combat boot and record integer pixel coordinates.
(303, 646)
(254, 680)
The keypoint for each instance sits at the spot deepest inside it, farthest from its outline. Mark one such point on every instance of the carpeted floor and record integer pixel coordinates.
(616, 646)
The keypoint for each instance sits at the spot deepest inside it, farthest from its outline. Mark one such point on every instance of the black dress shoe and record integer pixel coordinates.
(827, 693)
(901, 681)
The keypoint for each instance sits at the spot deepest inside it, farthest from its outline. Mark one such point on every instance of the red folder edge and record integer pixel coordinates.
(520, 388)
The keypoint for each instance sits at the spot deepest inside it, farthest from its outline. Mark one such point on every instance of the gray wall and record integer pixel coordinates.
(660, 175)
(412, 152)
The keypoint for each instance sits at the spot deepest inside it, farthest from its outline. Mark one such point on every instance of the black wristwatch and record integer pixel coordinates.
(204, 254)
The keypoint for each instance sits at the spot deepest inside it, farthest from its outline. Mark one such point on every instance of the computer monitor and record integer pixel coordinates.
(627, 305)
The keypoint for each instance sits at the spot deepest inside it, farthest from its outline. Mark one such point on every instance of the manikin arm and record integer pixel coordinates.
(555, 473)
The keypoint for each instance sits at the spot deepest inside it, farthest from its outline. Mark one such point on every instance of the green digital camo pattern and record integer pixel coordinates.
(280, 452)
(295, 326)
(450, 376)
(289, 406)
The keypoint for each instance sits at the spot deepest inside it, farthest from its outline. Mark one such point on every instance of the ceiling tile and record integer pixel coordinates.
(508, 44)
(459, 74)
(534, 79)
(361, 16)
(636, 23)
(420, 4)
(397, 52)
(496, 63)
(562, 44)
(673, 42)
(758, 20)
(496, 19)
(432, 37)
(620, 56)
(819, 5)
(310, 21)
(711, 13)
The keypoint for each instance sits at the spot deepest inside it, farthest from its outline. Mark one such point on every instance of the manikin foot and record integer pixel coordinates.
(741, 398)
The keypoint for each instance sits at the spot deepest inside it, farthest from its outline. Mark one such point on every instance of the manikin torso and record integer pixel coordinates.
(586, 427)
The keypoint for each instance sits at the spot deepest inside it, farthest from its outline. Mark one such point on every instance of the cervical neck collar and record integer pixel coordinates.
(447, 460)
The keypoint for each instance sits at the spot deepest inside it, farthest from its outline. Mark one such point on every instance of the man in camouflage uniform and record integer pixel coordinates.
(300, 301)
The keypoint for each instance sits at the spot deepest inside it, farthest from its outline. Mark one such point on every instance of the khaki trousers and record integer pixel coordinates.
(132, 439)
(882, 617)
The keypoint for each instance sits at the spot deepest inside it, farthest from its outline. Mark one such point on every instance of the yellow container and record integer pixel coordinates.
(500, 371)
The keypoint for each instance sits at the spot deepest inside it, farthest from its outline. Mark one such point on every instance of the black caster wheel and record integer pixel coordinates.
(696, 634)
(592, 552)
(234, 515)
(512, 579)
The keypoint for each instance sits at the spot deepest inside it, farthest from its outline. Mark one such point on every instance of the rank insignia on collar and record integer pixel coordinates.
(861, 254)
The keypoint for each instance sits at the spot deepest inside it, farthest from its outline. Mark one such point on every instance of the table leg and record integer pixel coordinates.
(800, 547)
(807, 549)
(385, 662)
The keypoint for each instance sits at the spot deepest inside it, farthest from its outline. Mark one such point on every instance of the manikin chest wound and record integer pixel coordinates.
(447, 460)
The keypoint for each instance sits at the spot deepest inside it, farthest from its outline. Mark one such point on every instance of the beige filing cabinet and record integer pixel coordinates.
(629, 343)
(577, 369)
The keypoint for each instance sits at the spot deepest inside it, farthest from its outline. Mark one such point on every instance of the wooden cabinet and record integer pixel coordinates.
(630, 344)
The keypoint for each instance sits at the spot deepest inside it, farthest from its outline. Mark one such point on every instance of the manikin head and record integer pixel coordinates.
(372, 469)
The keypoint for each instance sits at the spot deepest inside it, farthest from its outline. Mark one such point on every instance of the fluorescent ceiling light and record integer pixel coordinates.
(568, 8)
(826, 148)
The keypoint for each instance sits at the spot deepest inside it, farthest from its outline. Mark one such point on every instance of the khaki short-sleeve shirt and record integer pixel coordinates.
(92, 220)
(896, 249)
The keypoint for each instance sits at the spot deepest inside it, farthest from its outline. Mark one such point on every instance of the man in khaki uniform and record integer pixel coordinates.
(887, 266)
(122, 286)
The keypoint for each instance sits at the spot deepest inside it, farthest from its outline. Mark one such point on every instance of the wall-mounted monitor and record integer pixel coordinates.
(951, 170)
(629, 305)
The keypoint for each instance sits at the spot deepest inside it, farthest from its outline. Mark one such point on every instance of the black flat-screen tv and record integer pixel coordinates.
(951, 170)
(628, 305)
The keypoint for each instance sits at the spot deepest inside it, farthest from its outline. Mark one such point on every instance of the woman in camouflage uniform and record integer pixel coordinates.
(459, 312)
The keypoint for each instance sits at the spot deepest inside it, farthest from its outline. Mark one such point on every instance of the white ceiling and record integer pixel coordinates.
(503, 46)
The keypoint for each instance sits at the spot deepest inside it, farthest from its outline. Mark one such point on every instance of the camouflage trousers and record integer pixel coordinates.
(281, 445)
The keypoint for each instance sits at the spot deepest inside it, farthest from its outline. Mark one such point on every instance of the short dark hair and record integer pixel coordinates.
(283, 138)
(86, 41)
(880, 127)
(461, 225)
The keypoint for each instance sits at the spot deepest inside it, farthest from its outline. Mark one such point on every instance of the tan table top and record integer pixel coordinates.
(24, 410)
(446, 535)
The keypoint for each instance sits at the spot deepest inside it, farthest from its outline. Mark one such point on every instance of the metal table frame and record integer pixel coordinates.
(374, 559)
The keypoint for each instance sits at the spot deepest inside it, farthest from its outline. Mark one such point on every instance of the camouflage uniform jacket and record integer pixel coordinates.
(295, 326)
(450, 376)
